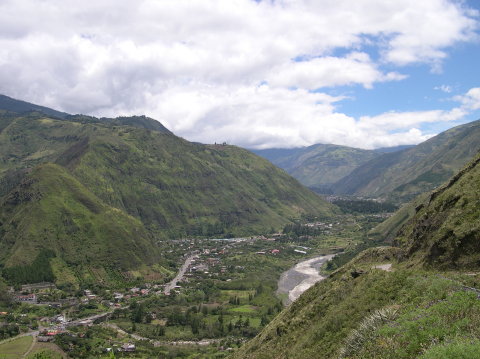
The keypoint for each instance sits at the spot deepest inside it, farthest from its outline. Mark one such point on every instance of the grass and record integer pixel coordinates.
(244, 309)
(341, 312)
(49, 348)
(16, 348)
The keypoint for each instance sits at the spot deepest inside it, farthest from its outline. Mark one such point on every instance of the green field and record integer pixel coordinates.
(15, 348)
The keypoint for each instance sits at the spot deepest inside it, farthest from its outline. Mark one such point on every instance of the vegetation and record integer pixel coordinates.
(364, 206)
(401, 176)
(38, 271)
(103, 194)
(319, 166)
(444, 232)
(15, 348)
(366, 309)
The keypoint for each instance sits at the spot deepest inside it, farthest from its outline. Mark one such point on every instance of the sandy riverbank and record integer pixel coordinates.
(300, 277)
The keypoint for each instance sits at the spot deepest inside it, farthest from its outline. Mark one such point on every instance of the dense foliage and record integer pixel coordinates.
(38, 271)
(401, 176)
(364, 206)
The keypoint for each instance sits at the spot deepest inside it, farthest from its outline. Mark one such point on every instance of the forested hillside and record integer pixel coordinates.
(106, 190)
(401, 176)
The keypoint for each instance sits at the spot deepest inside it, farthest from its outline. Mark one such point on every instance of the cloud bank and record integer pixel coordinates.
(253, 73)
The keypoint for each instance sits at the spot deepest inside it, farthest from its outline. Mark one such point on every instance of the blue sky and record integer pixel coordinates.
(423, 90)
(258, 74)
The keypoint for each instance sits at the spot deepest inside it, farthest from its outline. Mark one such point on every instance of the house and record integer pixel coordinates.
(275, 251)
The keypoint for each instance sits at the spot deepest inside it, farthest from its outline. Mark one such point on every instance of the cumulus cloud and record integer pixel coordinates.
(328, 71)
(254, 73)
(471, 100)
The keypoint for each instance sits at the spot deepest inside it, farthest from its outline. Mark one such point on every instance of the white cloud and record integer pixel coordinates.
(471, 100)
(199, 65)
(328, 71)
(444, 88)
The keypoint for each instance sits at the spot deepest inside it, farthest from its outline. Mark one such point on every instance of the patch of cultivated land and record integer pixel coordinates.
(16, 348)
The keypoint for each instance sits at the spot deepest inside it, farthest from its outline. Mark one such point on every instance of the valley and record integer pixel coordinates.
(223, 294)
(120, 239)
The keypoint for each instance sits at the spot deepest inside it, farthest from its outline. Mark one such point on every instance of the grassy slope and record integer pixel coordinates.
(137, 183)
(402, 175)
(172, 183)
(168, 183)
(425, 314)
(319, 165)
(445, 232)
(420, 313)
(388, 230)
(51, 209)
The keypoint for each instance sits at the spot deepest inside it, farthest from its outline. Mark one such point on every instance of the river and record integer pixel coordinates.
(300, 277)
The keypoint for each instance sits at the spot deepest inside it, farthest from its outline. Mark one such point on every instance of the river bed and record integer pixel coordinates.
(300, 277)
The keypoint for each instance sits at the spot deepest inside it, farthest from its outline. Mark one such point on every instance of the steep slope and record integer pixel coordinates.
(388, 230)
(51, 210)
(362, 312)
(445, 231)
(191, 189)
(416, 310)
(173, 186)
(18, 106)
(318, 166)
(400, 176)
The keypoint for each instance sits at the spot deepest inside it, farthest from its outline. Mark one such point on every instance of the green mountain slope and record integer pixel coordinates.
(52, 210)
(363, 312)
(142, 177)
(400, 176)
(17, 106)
(445, 231)
(175, 187)
(318, 166)
(192, 189)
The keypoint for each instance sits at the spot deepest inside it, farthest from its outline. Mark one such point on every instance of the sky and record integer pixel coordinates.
(258, 74)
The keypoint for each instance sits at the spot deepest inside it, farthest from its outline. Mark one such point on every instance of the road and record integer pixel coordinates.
(170, 285)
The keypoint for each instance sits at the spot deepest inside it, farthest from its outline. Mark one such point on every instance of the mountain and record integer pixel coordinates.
(393, 149)
(445, 230)
(18, 106)
(319, 166)
(424, 306)
(51, 210)
(400, 176)
(129, 183)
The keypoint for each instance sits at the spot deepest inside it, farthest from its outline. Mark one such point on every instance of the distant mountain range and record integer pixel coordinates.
(100, 193)
(397, 174)
(401, 176)
(319, 166)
